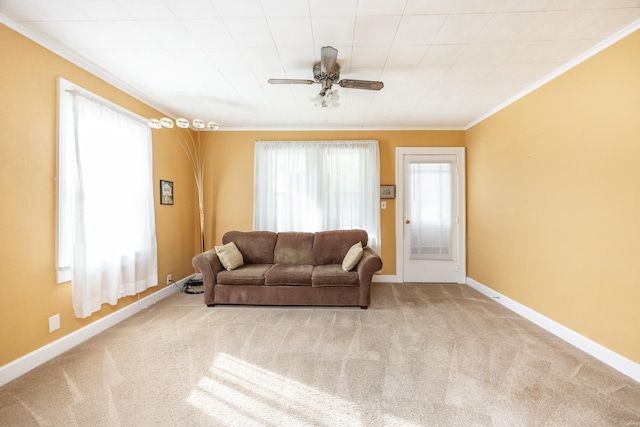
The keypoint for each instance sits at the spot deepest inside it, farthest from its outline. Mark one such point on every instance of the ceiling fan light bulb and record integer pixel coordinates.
(198, 124)
(213, 126)
(154, 123)
(182, 123)
(317, 100)
(166, 122)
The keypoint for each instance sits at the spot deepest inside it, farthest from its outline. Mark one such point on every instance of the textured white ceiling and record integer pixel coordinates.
(444, 63)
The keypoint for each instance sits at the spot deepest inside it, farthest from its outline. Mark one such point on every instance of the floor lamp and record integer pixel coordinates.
(194, 151)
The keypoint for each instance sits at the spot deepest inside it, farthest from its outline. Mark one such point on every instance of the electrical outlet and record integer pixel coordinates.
(169, 279)
(54, 323)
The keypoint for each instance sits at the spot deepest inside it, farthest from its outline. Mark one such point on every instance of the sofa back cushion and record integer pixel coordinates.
(330, 247)
(294, 248)
(256, 246)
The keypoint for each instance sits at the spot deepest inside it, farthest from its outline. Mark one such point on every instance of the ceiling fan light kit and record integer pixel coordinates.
(330, 99)
(327, 73)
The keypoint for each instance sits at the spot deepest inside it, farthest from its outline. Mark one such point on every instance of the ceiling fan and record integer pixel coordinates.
(327, 73)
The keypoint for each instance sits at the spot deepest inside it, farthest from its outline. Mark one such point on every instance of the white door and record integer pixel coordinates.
(432, 215)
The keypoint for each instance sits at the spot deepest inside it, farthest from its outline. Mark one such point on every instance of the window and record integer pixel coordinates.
(317, 185)
(106, 221)
(431, 209)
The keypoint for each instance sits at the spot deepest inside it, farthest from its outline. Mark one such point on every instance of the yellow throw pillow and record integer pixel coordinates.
(352, 257)
(229, 256)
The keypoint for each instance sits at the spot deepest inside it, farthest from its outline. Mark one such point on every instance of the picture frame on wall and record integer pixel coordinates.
(387, 191)
(166, 192)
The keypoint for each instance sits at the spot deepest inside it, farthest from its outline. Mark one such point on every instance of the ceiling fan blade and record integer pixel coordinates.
(328, 58)
(290, 81)
(361, 84)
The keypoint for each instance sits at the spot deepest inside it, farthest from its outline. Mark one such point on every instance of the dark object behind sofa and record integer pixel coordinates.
(290, 268)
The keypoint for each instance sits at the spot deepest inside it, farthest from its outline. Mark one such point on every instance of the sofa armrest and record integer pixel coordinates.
(368, 265)
(209, 266)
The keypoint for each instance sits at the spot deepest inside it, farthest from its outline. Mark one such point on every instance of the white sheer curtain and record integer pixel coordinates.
(430, 189)
(107, 175)
(317, 185)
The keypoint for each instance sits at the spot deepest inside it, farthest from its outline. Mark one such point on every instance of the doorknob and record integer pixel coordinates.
(406, 221)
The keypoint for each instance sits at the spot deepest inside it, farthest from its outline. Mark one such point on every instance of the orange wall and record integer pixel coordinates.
(29, 294)
(552, 192)
(554, 199)
(229, 201)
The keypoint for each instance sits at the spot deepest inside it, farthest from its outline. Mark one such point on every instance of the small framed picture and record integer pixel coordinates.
(387, 191)
(166, 192)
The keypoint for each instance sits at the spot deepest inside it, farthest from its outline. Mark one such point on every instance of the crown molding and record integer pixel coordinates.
(83, 64)
(340, 129)
(132, 91)
(580, 59)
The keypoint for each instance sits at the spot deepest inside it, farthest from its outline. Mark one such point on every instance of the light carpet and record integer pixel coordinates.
(421, 355)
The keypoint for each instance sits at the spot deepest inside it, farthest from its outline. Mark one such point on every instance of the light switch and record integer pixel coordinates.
(383, 205)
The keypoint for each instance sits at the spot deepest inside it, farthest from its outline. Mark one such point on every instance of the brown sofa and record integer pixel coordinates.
(290, 268)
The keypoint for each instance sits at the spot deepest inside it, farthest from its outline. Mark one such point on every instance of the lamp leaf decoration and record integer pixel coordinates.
(194, 150)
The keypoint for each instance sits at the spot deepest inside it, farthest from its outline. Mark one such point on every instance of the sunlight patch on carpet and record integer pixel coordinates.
(240, 392)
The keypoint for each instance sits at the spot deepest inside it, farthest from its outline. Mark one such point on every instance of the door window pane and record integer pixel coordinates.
(431, 210)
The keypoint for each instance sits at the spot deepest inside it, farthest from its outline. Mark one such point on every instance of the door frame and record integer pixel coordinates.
(401, 152)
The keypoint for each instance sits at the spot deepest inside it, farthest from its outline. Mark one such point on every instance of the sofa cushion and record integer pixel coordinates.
(256, 246)
(289, 274)
(330, 247)
(248, 274)
(229, 256)
(352, 258)
(294, 248)
(333, 275)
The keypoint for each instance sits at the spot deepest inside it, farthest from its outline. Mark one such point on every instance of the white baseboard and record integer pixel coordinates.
(21, 366)
(616, 361)
(384, 278)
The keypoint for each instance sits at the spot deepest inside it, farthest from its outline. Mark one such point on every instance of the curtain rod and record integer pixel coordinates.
(106, 103)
